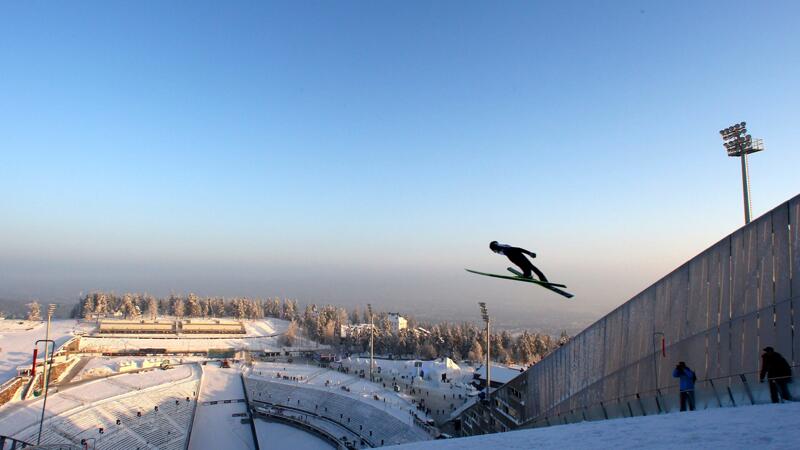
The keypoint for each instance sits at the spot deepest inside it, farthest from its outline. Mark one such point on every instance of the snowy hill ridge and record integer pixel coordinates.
(749, 427)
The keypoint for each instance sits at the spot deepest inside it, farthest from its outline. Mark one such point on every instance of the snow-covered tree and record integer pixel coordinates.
(289, 309)
(178, 307)
(239, 308)
(309, 320)
(208, 307)
(475, 351)
(101, 303)
(288, 338)
(152, 308)
(273, 307)
(193, 305)
(165, 305)
(87, 307)
(34, 311)
(563, 338)
(128, 307)
(428, 351)
(204, 305)
(218, 307)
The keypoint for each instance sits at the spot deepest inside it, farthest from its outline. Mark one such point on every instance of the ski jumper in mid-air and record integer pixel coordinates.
(517, 256)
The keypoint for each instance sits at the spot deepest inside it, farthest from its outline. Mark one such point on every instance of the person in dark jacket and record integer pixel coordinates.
(517, 256)
(687, 379)
(778, 373)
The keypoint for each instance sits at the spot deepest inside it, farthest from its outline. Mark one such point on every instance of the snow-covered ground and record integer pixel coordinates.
(499, 374)
(16, 346)
(216, 424)
(428, 370)
(397, 404)
(266, 327)
(278, 436)
(422, 381)
(107, 365)
(749, 427)
(19, 324)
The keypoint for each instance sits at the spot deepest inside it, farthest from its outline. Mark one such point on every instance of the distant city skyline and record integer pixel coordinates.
(357, 152)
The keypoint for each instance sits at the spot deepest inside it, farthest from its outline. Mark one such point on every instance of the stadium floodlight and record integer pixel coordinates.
(740, 144)
(485, 316)
(44, 403)
(371, 341)
(51, 308)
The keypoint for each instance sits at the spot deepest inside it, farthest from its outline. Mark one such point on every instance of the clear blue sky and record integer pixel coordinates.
(355, 151)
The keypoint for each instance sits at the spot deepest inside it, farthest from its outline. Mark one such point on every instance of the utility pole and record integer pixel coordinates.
(485, 315)
(371, 341)
(738, 143)
(45, 384)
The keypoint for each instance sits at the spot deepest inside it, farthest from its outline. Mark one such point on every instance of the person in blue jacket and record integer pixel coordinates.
(687, 378)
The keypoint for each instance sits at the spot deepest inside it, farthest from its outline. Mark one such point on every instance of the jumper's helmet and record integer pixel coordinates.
(493, 245)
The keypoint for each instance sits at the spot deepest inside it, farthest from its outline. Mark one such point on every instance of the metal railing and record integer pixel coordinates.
(729, 391)
(7, 442)
(279, 408)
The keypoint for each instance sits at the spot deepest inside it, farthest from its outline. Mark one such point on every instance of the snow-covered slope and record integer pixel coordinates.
(750, 427)
(216, 423)
(16, 345)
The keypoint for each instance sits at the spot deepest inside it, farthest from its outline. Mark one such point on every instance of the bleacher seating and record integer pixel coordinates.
(368, 420)
(166, 428)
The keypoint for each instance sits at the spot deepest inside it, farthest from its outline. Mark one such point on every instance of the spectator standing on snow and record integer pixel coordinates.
(778, 373)
(687, 379)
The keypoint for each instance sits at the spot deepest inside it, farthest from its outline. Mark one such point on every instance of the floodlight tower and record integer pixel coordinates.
(738, 143)
(371, 341)
(485, 315)
(51, 308)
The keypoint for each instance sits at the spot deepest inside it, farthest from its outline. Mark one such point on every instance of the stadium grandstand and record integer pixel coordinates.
(194, 326)
(136, 327)
(152, 409)
(188, 326)
(358, 408)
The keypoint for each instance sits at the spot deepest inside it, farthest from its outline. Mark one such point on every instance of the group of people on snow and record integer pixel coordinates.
(774, 368)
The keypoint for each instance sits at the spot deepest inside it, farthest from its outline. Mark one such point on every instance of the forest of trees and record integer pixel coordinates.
(138, 306)
(323, 324)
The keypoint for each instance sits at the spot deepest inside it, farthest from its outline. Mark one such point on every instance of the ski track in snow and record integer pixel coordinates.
(215, 427)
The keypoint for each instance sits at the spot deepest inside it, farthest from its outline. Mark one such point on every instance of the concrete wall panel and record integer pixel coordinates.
(794, 233)
(697, 307)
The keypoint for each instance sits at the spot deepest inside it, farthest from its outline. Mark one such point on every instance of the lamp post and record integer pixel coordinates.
(45, 384)
(485, 316)
(371, 341)
(738, 143)
(44, 402)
